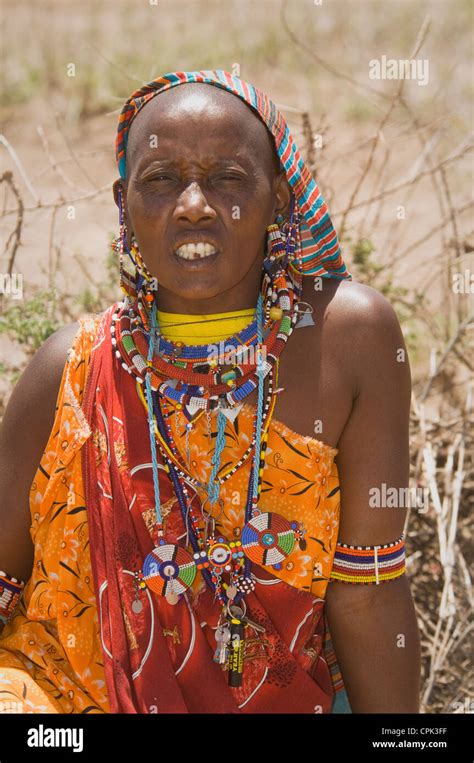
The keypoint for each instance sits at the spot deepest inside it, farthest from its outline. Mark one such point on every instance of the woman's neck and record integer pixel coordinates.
(241, 296)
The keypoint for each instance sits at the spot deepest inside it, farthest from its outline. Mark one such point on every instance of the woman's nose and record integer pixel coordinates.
(192, 205)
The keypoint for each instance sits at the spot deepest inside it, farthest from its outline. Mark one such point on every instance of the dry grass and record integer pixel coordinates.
(386, 146)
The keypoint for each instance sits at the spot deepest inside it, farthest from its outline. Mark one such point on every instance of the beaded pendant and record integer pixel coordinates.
(268, 538)
(169, 570)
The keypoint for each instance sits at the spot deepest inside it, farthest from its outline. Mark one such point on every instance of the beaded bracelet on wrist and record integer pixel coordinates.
(369, 564)
(11, 590)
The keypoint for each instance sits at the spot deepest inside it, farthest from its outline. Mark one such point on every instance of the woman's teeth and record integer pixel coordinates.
(195, 251)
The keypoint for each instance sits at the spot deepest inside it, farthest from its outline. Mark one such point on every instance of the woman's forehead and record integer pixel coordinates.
(195, 100)
(202, 112)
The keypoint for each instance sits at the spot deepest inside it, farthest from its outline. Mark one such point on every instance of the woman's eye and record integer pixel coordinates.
(227, 176)
(159, 177)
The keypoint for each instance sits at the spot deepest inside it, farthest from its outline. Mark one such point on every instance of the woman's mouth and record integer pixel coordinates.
(195, 251)
(196, 255)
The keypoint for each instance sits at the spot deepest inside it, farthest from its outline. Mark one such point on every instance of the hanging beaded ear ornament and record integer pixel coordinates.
(183, 375)
(138, 284)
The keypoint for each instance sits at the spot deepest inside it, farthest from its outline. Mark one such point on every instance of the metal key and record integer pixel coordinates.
(222, 637)
(256, 626)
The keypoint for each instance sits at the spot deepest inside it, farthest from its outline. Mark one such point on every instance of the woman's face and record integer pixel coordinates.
(202, 179)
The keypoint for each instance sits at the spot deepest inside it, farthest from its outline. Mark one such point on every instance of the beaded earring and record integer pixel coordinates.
(282, 240)
(137, 282)
(283, 249)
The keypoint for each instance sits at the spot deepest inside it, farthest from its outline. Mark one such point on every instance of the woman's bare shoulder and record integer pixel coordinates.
(41, 378)
(357, 315)
(361, 327)
(349, 300)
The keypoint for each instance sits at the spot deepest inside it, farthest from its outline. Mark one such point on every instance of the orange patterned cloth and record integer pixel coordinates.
(51, 656)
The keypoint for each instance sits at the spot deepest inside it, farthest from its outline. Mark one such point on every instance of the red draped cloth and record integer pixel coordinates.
(160, 659)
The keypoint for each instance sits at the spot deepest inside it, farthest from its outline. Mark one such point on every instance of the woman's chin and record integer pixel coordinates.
(194, 289)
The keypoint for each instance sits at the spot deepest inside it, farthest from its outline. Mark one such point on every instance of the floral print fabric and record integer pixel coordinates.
(51, 657)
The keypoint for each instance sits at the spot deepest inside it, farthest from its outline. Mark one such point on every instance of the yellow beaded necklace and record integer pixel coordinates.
(213, 327)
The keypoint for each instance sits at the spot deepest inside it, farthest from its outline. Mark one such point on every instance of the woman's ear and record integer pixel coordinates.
(282, 190)
(117, 188)
(120, 198)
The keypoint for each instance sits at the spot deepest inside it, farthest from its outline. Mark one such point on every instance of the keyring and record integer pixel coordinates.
(230, 604)
(304, 312)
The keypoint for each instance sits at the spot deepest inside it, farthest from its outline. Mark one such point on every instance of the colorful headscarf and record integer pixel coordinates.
(320, 254)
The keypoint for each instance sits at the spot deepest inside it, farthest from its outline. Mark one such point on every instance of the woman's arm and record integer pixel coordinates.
(374, 627)
(24, 433)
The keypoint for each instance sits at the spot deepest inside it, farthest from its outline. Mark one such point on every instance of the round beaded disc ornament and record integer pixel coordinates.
(169, 569)
(220, 555)
(268, 539)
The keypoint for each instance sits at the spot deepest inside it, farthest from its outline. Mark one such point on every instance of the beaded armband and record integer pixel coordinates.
(10, 593)
(369, 564)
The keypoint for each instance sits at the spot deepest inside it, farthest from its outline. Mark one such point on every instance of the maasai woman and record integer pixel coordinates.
(191, 551)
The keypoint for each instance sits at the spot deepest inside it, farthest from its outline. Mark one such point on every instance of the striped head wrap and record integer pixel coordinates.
(319, 253)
